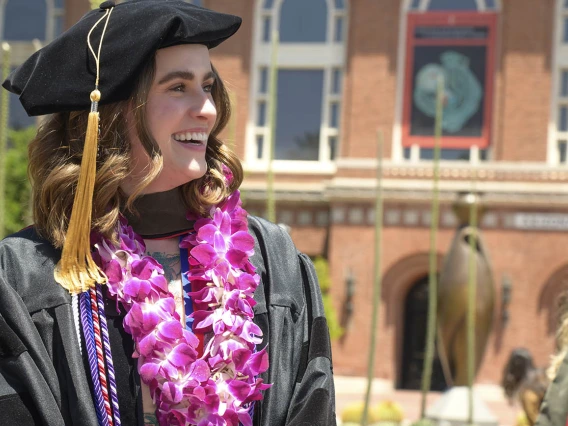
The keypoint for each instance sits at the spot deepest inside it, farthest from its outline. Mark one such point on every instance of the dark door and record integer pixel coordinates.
(414, 346)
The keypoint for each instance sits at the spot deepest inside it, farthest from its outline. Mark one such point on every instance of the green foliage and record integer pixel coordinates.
(353, 412)
(322, 270)
(423, 422)
(385, 413)
(389, 411)
(522, 419)
(18, 189)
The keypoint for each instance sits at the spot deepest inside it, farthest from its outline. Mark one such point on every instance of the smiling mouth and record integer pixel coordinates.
(193, 138)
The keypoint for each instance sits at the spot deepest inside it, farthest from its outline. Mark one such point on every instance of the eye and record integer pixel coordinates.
(178, 88)
(208, 88)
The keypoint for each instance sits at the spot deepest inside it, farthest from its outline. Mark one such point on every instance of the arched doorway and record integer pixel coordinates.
(414, 340)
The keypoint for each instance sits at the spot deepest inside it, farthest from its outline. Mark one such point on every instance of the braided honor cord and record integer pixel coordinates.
(100, 354)
(88, 333)
(108, 356)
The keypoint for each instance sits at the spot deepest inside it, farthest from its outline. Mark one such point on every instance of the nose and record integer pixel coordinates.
(204, 109)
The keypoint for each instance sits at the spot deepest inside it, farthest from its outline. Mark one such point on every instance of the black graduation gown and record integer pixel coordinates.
(44, 378)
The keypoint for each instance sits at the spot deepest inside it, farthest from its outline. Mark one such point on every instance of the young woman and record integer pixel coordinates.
(143, 294)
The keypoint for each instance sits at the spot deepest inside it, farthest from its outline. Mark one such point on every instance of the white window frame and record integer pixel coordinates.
(51, 14)
(326, 56)
(397, 148)
(559, 64)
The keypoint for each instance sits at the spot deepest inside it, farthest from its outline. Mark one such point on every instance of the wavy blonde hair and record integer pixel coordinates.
(561, 337)
(56, 151)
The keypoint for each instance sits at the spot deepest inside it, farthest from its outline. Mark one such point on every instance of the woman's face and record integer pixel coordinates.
(180, 115)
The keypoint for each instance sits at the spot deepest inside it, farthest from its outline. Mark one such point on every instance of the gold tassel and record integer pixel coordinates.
(77, 271)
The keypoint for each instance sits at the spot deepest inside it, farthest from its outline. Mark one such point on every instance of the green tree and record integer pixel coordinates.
(322, 271)
(18, 190)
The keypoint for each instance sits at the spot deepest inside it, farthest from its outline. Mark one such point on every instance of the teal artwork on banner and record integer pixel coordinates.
(463, 92)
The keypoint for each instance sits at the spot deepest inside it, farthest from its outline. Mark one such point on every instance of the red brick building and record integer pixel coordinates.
(369, 53)
(350, 68)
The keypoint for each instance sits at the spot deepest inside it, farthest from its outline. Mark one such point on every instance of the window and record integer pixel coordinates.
(35, 20)
(453, 5)
(309, 72)
(55, 14)
(452, 39)
(303, 21)
(298, 128)
(28, 24)
(562, 151)
(558, 131)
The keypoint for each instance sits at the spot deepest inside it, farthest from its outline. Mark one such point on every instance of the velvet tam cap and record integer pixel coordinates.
(60, 76)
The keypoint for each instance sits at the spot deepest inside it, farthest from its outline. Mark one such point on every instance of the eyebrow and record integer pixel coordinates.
(184, 75)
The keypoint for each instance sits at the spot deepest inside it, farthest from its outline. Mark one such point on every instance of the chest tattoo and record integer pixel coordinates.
(171, 264)
(150, 419)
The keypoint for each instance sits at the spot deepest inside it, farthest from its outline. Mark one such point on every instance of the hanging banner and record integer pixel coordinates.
(459, 46)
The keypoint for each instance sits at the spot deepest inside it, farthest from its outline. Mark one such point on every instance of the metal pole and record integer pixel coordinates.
(270, 198)
(433, 263)
(472, 290)
(2, 19)
(377, 275)
(50, 21)
(233, 122)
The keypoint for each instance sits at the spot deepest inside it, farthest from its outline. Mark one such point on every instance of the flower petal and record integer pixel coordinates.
(242, 241)
(148, 371)
(171, 329)
(204, 253)
(220, 243)
(200, 371)
(258, 362)
(207, 232)
(182, 355)
(239, 389)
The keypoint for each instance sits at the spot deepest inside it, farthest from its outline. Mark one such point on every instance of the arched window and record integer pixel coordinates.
(303, 21)
(454, 39)
(310, 71)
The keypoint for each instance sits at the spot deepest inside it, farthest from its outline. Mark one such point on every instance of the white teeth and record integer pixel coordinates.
(196, 136)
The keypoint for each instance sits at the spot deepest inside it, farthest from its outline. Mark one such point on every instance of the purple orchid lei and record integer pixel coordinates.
(219, 387)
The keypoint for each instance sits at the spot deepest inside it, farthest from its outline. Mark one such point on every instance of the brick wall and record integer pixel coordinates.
(232, 60)
(530, 259)
(523, 89)
(371, 73)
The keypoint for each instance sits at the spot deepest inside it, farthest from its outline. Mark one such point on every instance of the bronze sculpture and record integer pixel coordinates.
(453, 297)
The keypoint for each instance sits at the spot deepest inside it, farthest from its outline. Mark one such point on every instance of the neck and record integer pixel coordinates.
(159, 215)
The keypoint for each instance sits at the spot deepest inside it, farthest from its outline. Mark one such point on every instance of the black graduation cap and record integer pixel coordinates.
(60, 76)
